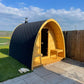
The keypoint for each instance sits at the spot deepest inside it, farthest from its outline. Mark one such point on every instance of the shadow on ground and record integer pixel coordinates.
(73, 62)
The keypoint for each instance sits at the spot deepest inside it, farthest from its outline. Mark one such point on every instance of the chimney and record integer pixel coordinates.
(26, 20)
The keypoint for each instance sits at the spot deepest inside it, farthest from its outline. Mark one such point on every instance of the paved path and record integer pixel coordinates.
(64, 72)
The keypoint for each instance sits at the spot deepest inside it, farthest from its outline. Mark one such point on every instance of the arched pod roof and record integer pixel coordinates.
(22, 42)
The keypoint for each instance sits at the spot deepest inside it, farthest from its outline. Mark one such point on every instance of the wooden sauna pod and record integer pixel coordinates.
(37, 43)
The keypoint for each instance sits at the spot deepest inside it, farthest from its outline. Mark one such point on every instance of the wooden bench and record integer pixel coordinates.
(56, 51)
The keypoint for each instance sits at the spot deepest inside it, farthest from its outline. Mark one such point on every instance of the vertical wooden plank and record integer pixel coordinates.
(82, 45)
(71, 44)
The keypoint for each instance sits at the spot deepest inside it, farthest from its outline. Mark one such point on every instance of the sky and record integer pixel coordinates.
(68, 13)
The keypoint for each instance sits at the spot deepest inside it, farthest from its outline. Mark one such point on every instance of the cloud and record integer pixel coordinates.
(9, 10)
(21, 4)
(68, 19)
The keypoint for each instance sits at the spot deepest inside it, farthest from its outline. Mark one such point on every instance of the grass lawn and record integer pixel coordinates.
(3, 40)
(8, 66)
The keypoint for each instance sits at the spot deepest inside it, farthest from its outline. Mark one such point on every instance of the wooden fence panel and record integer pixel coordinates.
(74, 43)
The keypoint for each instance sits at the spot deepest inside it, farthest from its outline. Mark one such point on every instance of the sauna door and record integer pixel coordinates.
(44, 42)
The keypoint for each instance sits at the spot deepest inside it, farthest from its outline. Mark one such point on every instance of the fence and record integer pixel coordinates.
(74, 42)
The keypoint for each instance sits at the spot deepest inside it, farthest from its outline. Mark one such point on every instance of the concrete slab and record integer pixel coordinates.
(72, 62)
(28, 75)
(53, 78)
(1, 83)
(8, 82)
(35, 80)
(77, 74)
(56, 70)
(62, 64)
(69, 81)
(70, 76)
(42, 71)
(16, 79)
(20, 82)
(14, 82)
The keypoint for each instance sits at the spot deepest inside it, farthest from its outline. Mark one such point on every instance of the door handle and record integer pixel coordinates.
(41, 42)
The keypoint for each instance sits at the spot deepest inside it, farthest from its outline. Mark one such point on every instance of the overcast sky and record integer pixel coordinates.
(68, 13)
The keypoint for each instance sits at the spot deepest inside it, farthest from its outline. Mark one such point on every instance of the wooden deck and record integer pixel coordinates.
(46, 60)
